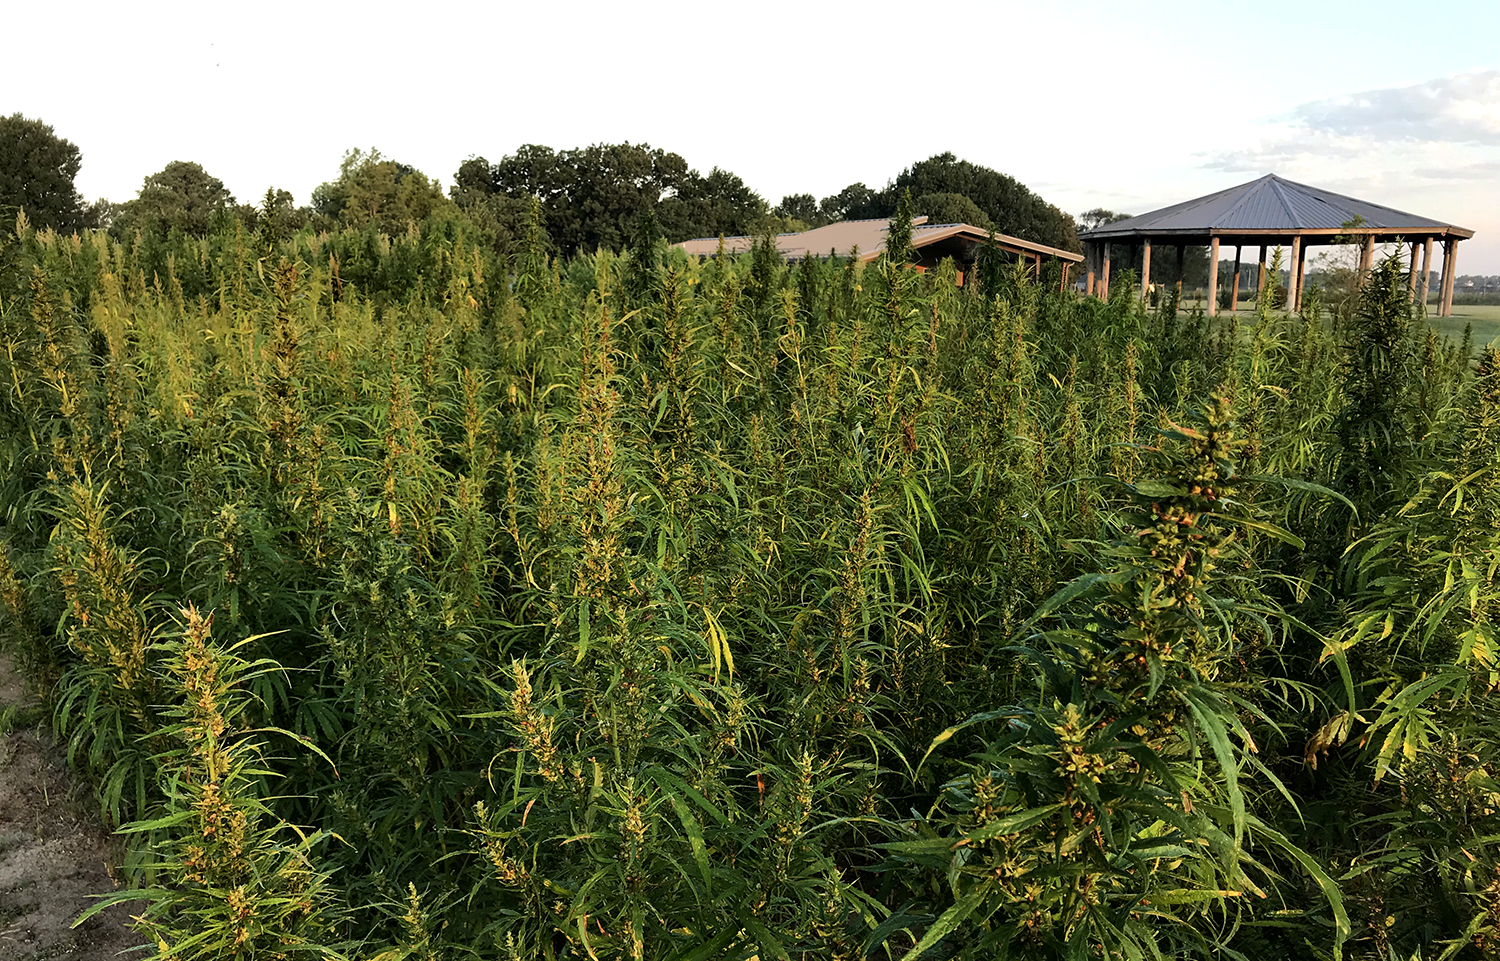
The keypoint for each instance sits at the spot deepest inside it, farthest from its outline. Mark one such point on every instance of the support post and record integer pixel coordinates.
(1145, 270)
(1411, 275)
(1366, 257)
(1063, 287)
(1104, 274)
(1090, 255)
(1293, 282)
(1301, 273)
(1260, 277)
(1426, 270)
(1181, 261)
(1234, 298)
(1450, 275)
(1213, 277)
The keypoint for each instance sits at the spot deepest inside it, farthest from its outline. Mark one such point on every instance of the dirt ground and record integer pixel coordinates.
(53, 853)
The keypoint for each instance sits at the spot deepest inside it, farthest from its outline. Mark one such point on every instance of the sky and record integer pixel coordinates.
(1129, 106)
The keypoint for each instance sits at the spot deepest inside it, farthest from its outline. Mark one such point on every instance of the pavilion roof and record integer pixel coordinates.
(1272, 206)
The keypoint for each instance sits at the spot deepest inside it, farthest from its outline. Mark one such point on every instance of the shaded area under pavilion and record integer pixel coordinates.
(1273, 212)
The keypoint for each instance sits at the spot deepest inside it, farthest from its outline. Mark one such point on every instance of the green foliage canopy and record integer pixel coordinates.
(592, 197)
(1098, 217)
(801, 207)
(1007, 205)
(951, 208)
(37, 169)
(373, 190)
(181, 196)
(1014, 209)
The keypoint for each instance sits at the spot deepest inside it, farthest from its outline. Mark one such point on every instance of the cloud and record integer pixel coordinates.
(1432, 148)
(1473, 171)
(1464, 108)
(1286, 145)
(1446, 129)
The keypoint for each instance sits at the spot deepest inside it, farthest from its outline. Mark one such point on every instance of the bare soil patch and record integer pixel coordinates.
(53, 853)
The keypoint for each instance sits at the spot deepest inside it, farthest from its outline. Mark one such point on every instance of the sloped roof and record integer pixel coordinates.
(1273, 205)
(869, 237)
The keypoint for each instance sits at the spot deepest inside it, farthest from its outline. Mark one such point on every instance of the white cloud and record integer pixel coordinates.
(1432, 148)
(1445, 130)
(1486, 170)
(1464, 108)
(1280, 146)
(1452, 123)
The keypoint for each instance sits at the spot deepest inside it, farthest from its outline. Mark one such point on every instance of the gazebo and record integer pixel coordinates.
(1272, 212)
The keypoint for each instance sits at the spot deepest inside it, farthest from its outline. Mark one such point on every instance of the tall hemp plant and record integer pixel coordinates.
(649, 607)
(1108, 815)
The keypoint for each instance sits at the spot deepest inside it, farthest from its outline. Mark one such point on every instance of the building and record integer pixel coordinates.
(866, 239)
(1273, 212)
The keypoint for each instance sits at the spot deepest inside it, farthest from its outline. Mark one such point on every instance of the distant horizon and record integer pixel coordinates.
(797, 99)
(773, 201)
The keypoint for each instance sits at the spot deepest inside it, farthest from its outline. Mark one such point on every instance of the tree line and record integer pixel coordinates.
(596, 197)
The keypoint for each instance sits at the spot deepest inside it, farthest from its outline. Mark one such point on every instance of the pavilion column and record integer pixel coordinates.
(1213, 277)
(1234, 298)
(1260, 276)
(1291, 274)
(1145, 270)
(1301, 272)
(1450, 275)
(1181, 261)
(1426, 271)
(1411, 275)
(1090, 254)
(1104, 274)
(1366, 257)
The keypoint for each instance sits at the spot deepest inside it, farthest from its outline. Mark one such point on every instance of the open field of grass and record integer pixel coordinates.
(1484, 317)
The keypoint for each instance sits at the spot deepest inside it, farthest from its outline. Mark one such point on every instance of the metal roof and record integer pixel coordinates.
(1273, 205)
(868, 236)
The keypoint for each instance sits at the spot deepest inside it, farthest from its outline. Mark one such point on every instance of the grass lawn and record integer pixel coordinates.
(1484, 317)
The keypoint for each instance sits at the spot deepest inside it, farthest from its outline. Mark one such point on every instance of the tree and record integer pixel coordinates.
(276, 218)
(1010, 204)
(503, 218)
(182, 196)
(803, 207)
(472, 184)
(1336, 268)
(374, 190)
(593, 197)
(1098, 217)
(103, 213)
(707, 206)
(949, 208)
(855, 202)
(37, 169)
